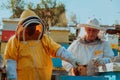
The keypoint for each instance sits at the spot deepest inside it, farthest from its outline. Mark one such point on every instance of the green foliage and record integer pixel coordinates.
(17, 7)
(73, 19)
(48, 10)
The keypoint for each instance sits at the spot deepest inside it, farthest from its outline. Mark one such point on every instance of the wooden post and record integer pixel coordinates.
(118, 44)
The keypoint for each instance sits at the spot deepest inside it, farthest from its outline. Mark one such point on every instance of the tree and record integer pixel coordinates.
(17, 7)
(48, 10)
(73, 19)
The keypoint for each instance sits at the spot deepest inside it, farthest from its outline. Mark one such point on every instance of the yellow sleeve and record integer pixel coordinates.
(50, 45)
(11, 49)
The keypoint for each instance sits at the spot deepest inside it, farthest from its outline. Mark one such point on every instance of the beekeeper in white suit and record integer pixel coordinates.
(90, 48)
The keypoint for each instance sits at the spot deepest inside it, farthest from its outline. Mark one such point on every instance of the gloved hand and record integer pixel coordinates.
(81, 70)
(73, 60)
(101, 61)
(68, 56)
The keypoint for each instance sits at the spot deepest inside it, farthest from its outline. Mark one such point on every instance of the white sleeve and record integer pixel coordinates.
(108, 52)
(67, 66)
(11, 69)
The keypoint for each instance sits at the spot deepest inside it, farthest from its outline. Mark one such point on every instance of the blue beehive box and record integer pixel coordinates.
(81, 78)
(66, 45)
(115, 52)
(57, 62)
(111, 75)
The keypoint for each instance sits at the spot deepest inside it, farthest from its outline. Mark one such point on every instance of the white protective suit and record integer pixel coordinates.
(86, 52)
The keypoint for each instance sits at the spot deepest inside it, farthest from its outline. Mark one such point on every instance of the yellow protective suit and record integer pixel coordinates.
(33, 59)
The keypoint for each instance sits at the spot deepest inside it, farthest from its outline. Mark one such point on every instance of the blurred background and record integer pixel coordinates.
(62, 17)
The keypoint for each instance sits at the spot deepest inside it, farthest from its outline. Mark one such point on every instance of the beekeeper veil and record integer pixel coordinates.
(30, 27)
(92, 23)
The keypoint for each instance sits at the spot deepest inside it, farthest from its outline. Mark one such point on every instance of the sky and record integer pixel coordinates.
(106, 11)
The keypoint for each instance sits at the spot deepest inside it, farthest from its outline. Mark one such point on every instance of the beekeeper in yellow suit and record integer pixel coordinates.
(28, 53)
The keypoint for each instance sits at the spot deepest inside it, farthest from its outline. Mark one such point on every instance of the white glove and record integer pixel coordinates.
(106, 60)
(11, 69)
(67, 56)
(74, 61)
(101, 61)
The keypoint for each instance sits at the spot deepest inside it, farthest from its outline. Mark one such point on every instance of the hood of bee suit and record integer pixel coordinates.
(27, 18)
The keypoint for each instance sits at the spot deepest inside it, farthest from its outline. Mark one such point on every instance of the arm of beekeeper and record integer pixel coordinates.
(10, 57)
(56, 50)
(11, 69)
(67, 66)
(107, 54)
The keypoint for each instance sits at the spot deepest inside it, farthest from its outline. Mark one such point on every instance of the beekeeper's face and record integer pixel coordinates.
(33, 31)
(91, 33)
(30, 30)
